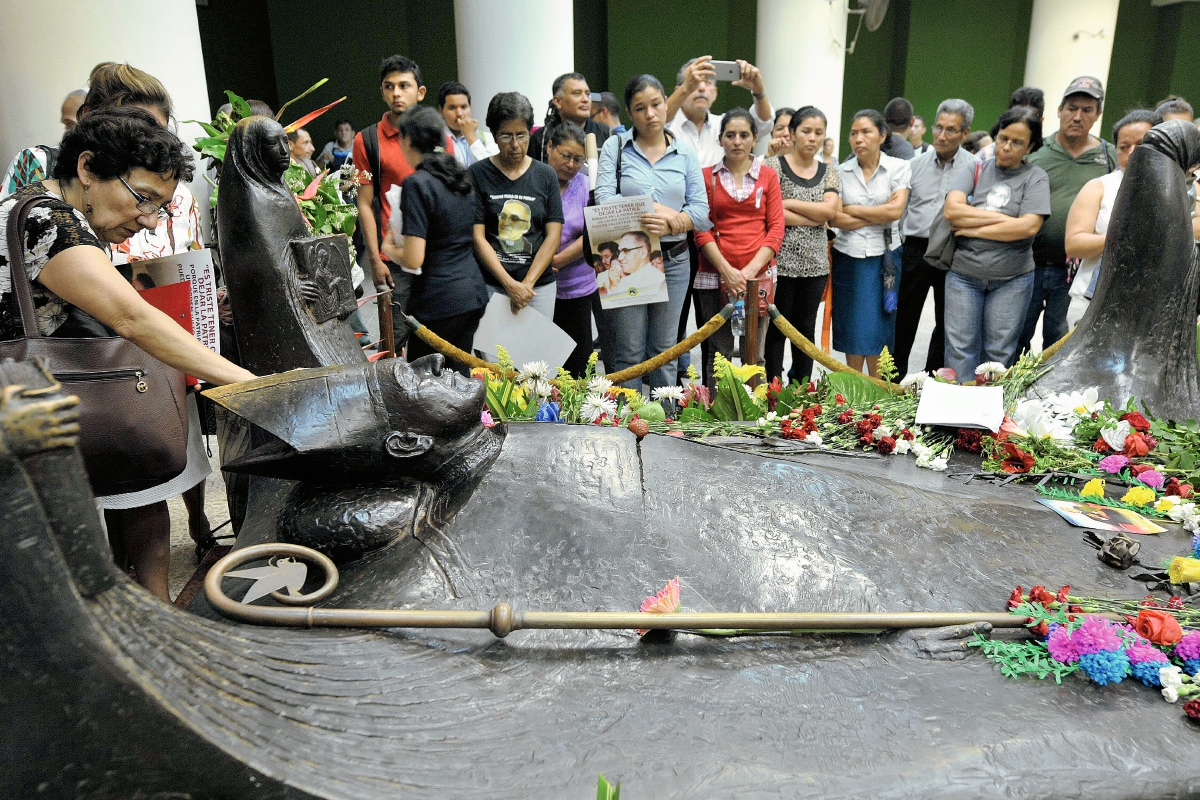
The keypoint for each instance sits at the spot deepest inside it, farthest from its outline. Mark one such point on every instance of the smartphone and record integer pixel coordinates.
(726, 70)
(595, 97)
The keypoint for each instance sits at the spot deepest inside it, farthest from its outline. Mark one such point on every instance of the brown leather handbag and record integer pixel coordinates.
(133, 414)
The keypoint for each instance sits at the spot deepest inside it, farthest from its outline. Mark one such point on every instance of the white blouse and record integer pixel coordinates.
(891, 174)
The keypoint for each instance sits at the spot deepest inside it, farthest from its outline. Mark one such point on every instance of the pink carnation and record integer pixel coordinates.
(1188, 647)
(1152, 478)
(1113, 464)
(1096, 635)
(1061, 647)
(1145, 652)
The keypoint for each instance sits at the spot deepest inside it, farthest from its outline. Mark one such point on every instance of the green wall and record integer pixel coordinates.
(926, 50)
(236, 37)
(981, 69)
(1154, 55)
(349, 52)
(724, 29)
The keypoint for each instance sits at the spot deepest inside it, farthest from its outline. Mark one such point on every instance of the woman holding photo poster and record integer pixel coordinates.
(578, 296)
(747, 231)
(647, 160)
(518, 225)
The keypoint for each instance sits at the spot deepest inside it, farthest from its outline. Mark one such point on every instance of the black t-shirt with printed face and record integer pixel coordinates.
(515, 214)
(449, 283)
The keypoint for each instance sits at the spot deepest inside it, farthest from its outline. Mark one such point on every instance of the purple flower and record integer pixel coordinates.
(1188, 647)
(1113, 464)
(1096, 635)
(1152, 478)
(1061, 647)
(1139, 653)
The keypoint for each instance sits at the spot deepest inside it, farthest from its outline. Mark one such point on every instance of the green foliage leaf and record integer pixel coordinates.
(241, 108)
(693, 414)
(859, 392)
(606, 791)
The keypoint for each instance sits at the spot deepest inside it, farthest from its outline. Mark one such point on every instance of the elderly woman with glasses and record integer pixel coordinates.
(115, 174)
(519, 217)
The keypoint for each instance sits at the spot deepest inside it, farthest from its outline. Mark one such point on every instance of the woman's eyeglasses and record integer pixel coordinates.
(145, 204)
(509, 138)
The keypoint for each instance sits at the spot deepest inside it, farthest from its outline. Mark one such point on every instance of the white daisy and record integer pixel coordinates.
(542, 388)
(596, 406)
(599, 384)
(670, 393)
(915, 380)
(992, 369)
(534, 371)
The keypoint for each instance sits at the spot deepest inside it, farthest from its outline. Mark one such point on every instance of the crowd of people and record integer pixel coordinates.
(758, 194)
(1005, 227)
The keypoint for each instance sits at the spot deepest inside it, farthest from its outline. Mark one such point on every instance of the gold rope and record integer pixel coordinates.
(445, 348)
(816, 354)
(667, 356)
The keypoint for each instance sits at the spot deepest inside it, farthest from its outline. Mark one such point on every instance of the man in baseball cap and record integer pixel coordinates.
(1071, 158)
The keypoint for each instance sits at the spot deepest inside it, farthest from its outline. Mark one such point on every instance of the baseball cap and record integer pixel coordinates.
(1085, 85)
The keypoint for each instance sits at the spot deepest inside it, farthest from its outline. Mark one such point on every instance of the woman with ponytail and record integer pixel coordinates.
(438, 204)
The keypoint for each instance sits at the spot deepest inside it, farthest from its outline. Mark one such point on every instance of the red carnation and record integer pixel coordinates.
(875, 419)
(846, 417)
(1138, 469)
(1176, 603)
(907, 434)
(1041, 630)
(1015, 598)
(969, 439)
(864, 428)
(841, 401)
(817, 410)
(1016, 460)
(812, 387)
(1136, 421)
(1061, 597)
(1136, 445)
(886, 445)
(1101, 446)
(866, 441)
(1039, 595)
(1192, 709)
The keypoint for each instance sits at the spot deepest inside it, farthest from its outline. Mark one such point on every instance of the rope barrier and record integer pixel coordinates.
(638, 370)
(667, 356)
(816, 354)
(445, 348)
(1049, 352)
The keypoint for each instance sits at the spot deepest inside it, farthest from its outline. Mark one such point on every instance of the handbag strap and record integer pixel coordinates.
(21, 287)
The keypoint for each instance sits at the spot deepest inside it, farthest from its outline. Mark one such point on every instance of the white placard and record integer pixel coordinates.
(527, 335)
(195, 266)
(961, 406)
(628, 260)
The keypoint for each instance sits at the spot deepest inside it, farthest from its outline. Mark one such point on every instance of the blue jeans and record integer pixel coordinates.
(642, 332)
(1050, 292)
(983, 320)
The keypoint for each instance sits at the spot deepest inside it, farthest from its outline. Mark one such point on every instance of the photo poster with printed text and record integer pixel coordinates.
(195, 267)
(627, 259)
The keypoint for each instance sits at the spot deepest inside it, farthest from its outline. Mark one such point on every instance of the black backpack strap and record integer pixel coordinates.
(370, 136)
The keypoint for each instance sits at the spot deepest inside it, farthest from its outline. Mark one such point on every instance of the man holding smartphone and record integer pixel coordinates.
(690, 106)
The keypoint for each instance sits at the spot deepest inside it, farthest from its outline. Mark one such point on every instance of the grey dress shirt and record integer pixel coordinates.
(931, 183)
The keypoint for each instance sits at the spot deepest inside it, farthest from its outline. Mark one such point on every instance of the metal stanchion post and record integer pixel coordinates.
(387, 335)
(750, 353)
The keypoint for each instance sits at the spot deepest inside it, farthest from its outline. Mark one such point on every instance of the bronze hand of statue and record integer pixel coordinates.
(29, 424)
(944, 644)
(310, 292)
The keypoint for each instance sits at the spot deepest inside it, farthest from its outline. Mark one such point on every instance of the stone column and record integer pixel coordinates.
(802, 54)
(1069, 38)
(48, 48)
(513, 46)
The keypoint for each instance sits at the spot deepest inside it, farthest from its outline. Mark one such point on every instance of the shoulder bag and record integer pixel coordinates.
(132, 408)
(940, 252)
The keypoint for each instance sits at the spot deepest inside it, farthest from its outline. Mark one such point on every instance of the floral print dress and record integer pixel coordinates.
(51, 228)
